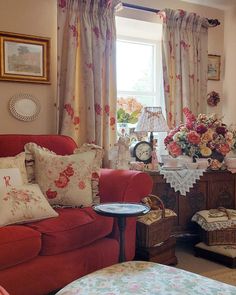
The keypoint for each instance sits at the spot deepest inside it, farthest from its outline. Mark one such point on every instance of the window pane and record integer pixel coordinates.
(135, 70)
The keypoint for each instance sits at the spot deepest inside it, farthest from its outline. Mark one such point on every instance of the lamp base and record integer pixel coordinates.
(151, 138)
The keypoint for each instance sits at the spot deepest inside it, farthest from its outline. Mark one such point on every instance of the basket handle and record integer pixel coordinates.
(161, 202)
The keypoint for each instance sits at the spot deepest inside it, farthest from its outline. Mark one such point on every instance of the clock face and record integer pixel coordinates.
(143, 151)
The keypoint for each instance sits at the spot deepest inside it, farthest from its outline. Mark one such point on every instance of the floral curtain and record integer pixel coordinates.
(184, 53)
(87, 71)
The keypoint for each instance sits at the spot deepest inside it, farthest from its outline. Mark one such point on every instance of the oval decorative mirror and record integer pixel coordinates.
(24, 107)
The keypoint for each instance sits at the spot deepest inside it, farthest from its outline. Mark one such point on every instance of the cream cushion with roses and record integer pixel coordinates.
(15, 162)
(64, 180)
(21, 204)
(96, 167)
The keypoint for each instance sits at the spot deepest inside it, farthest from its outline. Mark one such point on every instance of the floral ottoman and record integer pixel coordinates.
(139, 278)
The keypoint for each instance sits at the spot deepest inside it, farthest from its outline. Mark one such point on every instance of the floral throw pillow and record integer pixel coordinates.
(97, 164)
(64, 180)
(15, 162)
(23, 204)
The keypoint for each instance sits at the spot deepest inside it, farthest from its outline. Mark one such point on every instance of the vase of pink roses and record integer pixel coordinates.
(201, 137)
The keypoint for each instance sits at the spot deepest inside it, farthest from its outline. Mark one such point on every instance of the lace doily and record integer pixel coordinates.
(209, 223)
(182, 180)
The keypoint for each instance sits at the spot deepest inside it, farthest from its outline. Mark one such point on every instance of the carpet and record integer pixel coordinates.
(227, 276)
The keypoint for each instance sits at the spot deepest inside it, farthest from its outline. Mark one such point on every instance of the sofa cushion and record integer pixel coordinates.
(18, 244)
(15, 162)
(64, 180)
(72, 229)
(22, 204)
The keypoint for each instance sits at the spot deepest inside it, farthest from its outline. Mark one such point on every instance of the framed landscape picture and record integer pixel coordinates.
(213, 67)
(24, 58)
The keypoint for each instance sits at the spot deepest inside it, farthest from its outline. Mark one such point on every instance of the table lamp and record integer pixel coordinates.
(152, 120)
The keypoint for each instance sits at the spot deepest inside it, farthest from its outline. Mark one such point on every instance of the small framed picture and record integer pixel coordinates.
(213, 67)
(24, 58)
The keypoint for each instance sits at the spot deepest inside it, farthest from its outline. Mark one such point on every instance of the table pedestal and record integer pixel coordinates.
(122, 225)
(121, 211)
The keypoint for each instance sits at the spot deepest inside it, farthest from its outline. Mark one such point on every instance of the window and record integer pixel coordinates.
(139, 65)
(135, 70)
(139, 69)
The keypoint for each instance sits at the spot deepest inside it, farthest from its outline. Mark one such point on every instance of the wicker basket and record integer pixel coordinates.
(225, 236)
(156, 232)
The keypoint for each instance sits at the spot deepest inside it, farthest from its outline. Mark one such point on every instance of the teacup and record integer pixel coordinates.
(191, 165)
(164, 158)
(184, 160)
(171, 162)
(230, 162)
(203, 163)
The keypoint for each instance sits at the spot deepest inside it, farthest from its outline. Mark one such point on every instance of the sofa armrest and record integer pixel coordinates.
(124, 185)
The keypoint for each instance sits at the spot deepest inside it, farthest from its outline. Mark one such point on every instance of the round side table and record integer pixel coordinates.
(121, 211)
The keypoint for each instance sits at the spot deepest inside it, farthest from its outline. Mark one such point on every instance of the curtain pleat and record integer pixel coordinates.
(87, 71)
(184, 52)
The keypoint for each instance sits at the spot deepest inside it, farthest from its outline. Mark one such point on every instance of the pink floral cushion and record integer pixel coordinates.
(65, 180)
(23, 204)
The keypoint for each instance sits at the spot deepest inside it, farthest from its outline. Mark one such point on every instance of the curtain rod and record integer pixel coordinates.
(212, 22)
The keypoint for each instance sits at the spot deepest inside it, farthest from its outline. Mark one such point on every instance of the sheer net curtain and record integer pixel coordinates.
(184, 53)
(87, 71)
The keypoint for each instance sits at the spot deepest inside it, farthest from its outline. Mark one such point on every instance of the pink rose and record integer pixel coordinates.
(95, 175)
(193, 137)
(174, 149)
(51, 194)
(107, 109)
(96, 32)
(112, 121)
(224, 149)
(22, 195)
(98, 109)
(69, 171)
(62, 3)
(62, 181)
(168, 139)
(69, 110)
(82, 185)
(76, 120)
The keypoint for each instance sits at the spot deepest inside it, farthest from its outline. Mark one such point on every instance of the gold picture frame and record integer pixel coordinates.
(24, 58)
(213, 71)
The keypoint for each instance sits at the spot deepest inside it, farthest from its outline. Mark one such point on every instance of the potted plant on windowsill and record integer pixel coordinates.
(128, 112)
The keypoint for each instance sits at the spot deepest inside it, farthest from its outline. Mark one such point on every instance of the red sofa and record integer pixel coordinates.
(43, 256)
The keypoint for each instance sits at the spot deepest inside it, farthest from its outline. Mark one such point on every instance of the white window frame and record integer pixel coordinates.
(155, 44)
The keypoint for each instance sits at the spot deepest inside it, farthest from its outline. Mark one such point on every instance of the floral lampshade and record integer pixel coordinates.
(152, 120)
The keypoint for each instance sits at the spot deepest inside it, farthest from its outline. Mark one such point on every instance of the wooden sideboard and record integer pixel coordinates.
(214, 189)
